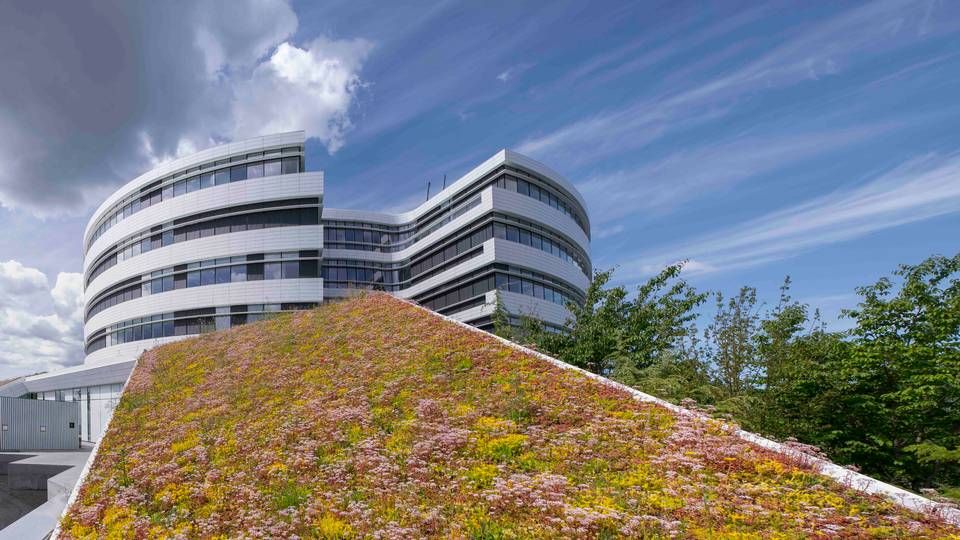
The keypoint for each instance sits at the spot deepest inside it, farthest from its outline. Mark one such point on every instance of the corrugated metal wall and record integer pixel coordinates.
(31, 424)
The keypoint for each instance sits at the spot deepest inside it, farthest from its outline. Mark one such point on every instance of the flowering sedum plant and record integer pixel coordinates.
(372, 418)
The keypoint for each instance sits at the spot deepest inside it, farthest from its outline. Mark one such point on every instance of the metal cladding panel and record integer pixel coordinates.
(224, 245)
(30, 424)
(223, 294)
(249, 145)
(538, 212)
(268, 188)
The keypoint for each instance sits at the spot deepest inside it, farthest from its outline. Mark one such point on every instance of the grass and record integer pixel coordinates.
(372, 418)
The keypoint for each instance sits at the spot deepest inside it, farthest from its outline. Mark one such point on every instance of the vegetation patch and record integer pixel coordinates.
(371, 418)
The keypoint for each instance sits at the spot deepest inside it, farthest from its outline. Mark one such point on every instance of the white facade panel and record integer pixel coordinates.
(532, 210)
(248, 292)
(269, 188)
(211, 247)
(203, 156)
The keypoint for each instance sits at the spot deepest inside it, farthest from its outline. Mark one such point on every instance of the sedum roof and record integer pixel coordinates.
(374, 418)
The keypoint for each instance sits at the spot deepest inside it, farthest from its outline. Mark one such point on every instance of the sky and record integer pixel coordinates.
(816, 140)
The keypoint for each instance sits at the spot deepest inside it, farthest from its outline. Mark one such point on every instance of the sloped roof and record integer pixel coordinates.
(374, 418)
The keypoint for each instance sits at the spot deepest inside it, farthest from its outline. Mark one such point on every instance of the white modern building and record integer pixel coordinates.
(230, 234)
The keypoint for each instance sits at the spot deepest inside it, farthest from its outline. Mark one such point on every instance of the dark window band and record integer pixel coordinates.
(209, 272)
(187, 322)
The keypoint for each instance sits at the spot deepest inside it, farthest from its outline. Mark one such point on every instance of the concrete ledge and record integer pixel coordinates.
(55, 472)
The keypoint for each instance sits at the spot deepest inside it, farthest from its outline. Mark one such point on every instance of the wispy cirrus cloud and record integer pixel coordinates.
(920, 189)
(811, 53)
(659, 185)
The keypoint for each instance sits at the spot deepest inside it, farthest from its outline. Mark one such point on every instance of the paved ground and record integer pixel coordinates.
(14, 505)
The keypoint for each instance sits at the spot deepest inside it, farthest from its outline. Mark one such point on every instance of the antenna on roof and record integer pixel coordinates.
(444, 181)
(428, 190)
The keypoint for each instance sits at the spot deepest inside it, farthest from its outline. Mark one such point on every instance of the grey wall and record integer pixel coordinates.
(31, 424)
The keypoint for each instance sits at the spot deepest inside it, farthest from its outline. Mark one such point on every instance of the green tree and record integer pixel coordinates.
(593, 332)
(657, 320)
(904, 372)
(732, 338)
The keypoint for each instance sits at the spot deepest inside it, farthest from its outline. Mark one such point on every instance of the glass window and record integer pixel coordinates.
(290, 165)
(208, 276)
(223, 274)
(254, 271)
(291, 270)
(524, 237)
(238, 172)
(271, 168)
(179, 188)
(167, 283)
(206, 180)
(513, 234)
(193, 279)
(167, 192)
(193, 184)
(238, 273)
(221, 177)
(180, 281)
(271, 271)
(255, 170)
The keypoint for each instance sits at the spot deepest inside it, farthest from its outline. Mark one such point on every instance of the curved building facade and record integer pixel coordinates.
(231, 234)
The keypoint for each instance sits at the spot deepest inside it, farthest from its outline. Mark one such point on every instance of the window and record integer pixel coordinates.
(238, 273)
(290, 165)
(271, 271)
(221, 177)
(271, 168)
(179, 188)
(208, 276)
(223, 274)
(193, 184)
(290, 270)
(193, 278)
(206, 180)
(254, 271)
(255, 170)
(238, 172)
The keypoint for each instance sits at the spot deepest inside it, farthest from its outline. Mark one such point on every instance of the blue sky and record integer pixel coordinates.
(812, 139)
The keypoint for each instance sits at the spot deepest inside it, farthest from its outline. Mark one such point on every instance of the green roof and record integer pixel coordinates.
(375, 418)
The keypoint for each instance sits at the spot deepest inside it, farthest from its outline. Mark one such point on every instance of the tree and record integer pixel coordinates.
(732, 335)
(905, 373)
(593, 331)
(657, 320)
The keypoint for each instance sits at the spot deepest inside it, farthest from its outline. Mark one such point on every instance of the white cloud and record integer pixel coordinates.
(308, 88)
(919, 189)
(513, 72)
(42, 326)
(17, 279)
(163, 84)
(239, 41)
(660, 185)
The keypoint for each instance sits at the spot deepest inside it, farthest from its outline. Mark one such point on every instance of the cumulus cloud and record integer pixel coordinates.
(42, 326)
(109, 93)
(310, 88)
